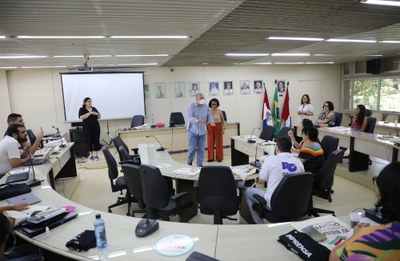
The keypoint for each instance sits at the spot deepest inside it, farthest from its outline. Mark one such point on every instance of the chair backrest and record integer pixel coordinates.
(31, 136)
(284, 132)
(134, 182)
(329, 144)
(217, 189)
(292, 197)
(224, 114)
(118, 142)
(338, 118)
(137, 120)
(124, 154)
(371, 122)
(111, 164)
(176, 118)
(268, 133)
(155, 190)
(325, 176)
(377, 115)
(392, 118)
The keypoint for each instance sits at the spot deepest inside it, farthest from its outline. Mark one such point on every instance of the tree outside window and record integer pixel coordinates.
(390, 95)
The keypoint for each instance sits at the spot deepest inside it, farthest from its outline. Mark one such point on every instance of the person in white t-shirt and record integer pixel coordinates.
(10, 150)
(305, 110)
(272, 171)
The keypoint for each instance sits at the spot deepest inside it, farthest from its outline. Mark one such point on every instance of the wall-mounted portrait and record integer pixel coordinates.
(179, 89)
(194, 88)
(160, 90)
(146, 91)
(214, 88)
(244, 87)
(281, 86)
(228, 88)
(258, 87)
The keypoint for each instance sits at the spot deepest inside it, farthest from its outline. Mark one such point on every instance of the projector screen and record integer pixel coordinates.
(116, 95)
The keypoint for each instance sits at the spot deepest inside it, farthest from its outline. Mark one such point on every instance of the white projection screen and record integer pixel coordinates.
(116, 95)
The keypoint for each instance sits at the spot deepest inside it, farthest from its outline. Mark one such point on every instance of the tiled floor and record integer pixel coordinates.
(92, 188)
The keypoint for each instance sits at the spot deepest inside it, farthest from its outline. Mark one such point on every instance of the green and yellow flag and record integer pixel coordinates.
(276, 115)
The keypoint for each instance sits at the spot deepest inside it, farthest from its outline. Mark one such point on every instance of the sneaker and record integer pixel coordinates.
(190, 163)
(96, 158)
(91, 158)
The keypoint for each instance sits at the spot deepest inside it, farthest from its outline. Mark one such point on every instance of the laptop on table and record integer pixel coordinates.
(41, 160)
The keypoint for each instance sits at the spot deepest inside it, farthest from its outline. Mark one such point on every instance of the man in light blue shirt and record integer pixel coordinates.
(198, 115)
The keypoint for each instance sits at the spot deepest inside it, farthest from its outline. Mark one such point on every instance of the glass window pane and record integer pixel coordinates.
(346, 95)
(366, 92)
(390, 95)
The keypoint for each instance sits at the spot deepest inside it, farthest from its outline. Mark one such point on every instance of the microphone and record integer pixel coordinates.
(34, 182)
(256, 163)
(56, 128)
(250, 140)
(148, 226)
(58, 134)
(152, 121)
(161, 148)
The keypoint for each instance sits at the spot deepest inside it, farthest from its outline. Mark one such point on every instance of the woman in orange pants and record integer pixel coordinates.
(214, 134)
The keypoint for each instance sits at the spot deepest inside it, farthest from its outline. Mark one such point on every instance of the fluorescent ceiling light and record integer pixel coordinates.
(2, 37)
(290, 54)
(380, 2)
(263, 63)
(58, 37)
(141, 55)
(9, 67)
(68, 56)
(99, 55)
(23, 57)
(392, 42)
(149, 37)
(295, 38)
(42, 67)
(322, 54)
(247, 54)
(289, 63)
(337, 40)
(319, 62)
(138, 64)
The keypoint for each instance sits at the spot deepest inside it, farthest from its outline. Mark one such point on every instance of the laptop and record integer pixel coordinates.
(29, 198)
(18, 175)
(42, 160)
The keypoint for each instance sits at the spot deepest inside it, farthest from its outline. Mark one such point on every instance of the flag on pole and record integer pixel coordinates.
(276, 117)
(266, 111)
(286, 116)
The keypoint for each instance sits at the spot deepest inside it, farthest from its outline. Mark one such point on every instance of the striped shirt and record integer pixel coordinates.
(314, 156)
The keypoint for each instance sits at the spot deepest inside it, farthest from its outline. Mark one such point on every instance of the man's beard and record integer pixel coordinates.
(22, 140)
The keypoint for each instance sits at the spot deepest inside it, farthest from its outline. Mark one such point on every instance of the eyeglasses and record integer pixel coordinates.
(374, 180)
(214, 104)
(326, 105)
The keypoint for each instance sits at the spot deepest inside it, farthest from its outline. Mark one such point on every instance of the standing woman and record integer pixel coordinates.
(91, 127)
(214, 133)
(305, 110)
(359, 122)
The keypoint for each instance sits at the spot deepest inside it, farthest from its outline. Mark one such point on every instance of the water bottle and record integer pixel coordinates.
(100, 232)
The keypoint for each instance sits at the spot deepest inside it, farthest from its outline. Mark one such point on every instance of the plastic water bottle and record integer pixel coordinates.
(101, 239)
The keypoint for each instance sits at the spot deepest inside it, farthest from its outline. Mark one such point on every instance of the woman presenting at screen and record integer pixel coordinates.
(91, 127)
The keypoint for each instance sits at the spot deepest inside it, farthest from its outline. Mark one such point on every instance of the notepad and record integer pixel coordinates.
(28, 198)
(191, 171)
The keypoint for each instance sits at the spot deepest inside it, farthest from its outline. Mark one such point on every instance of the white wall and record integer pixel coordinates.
(37, 95)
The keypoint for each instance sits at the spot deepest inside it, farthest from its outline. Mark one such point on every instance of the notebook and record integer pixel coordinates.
(29, 198)
(18, 176)
(42, 160)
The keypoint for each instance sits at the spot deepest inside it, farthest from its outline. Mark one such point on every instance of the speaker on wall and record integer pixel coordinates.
(374, 66)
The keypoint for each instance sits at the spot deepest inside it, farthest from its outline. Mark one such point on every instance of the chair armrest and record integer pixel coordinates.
(126, 161)
(260, 199)
(179, 195)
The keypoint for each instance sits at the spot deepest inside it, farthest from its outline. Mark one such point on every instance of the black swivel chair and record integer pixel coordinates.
(338, 118)
(217, 192)
(291, 199)
(157, 195)
(137, 120)
(118, 142)
(284, 132)
(126, 158)
(31, 136)
(117, 182)
(224, 115)
(268, 133)
(176, 118)
(329, 144)
(325, 177)
(371, 122)
(134, 184)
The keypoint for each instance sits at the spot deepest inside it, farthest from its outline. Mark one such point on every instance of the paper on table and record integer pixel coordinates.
(244, 171)
(187, 171)
(20, 216)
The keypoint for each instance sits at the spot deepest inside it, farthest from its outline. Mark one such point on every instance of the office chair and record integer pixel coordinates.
(217, 192)
(176, 118)
(156, 194)
(377, 115)
(137, 120)
(291, 200)
(31, 136)
(224, 115)
(134, 183)
(371, 122)
(117, 183)
(338, 118)
(391, 118)
(329, 144)
(118, 142)
(325, 177)
(284, 132)
(126, 158)
(268, 133)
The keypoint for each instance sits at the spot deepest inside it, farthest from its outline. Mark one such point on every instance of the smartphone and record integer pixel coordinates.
(314, 233)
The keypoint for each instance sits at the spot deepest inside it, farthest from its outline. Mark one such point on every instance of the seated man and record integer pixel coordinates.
(272, 171)
(15, 118)
(11, 146)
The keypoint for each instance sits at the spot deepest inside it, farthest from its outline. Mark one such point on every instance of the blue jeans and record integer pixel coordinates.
(196, 143)
(250, 200)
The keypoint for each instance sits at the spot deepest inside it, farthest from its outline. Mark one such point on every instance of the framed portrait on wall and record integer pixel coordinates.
(214, 88)
(160, 90)
(194, 88)
(228, 88)
(258, 87)
(146, 91)
(281, 86)
(179, 89)
(244, 87)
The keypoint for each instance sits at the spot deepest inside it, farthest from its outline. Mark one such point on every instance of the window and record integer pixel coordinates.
(365, 92)
(390, 95)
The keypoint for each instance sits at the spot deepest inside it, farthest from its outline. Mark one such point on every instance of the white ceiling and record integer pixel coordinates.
(214, 27)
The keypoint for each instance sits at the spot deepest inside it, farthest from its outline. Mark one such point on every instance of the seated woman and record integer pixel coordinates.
(327, 117)
(311, 153)
(359, 122)
(305, 122)
(377, 242)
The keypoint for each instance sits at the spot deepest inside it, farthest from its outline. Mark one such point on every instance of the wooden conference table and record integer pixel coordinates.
(241, 149)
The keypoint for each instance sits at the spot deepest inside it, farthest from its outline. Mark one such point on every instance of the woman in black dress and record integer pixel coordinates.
(91, 127)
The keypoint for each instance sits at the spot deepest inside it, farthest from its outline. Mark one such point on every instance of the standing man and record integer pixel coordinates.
(198, 114)
(10, 148)
(272, 172)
